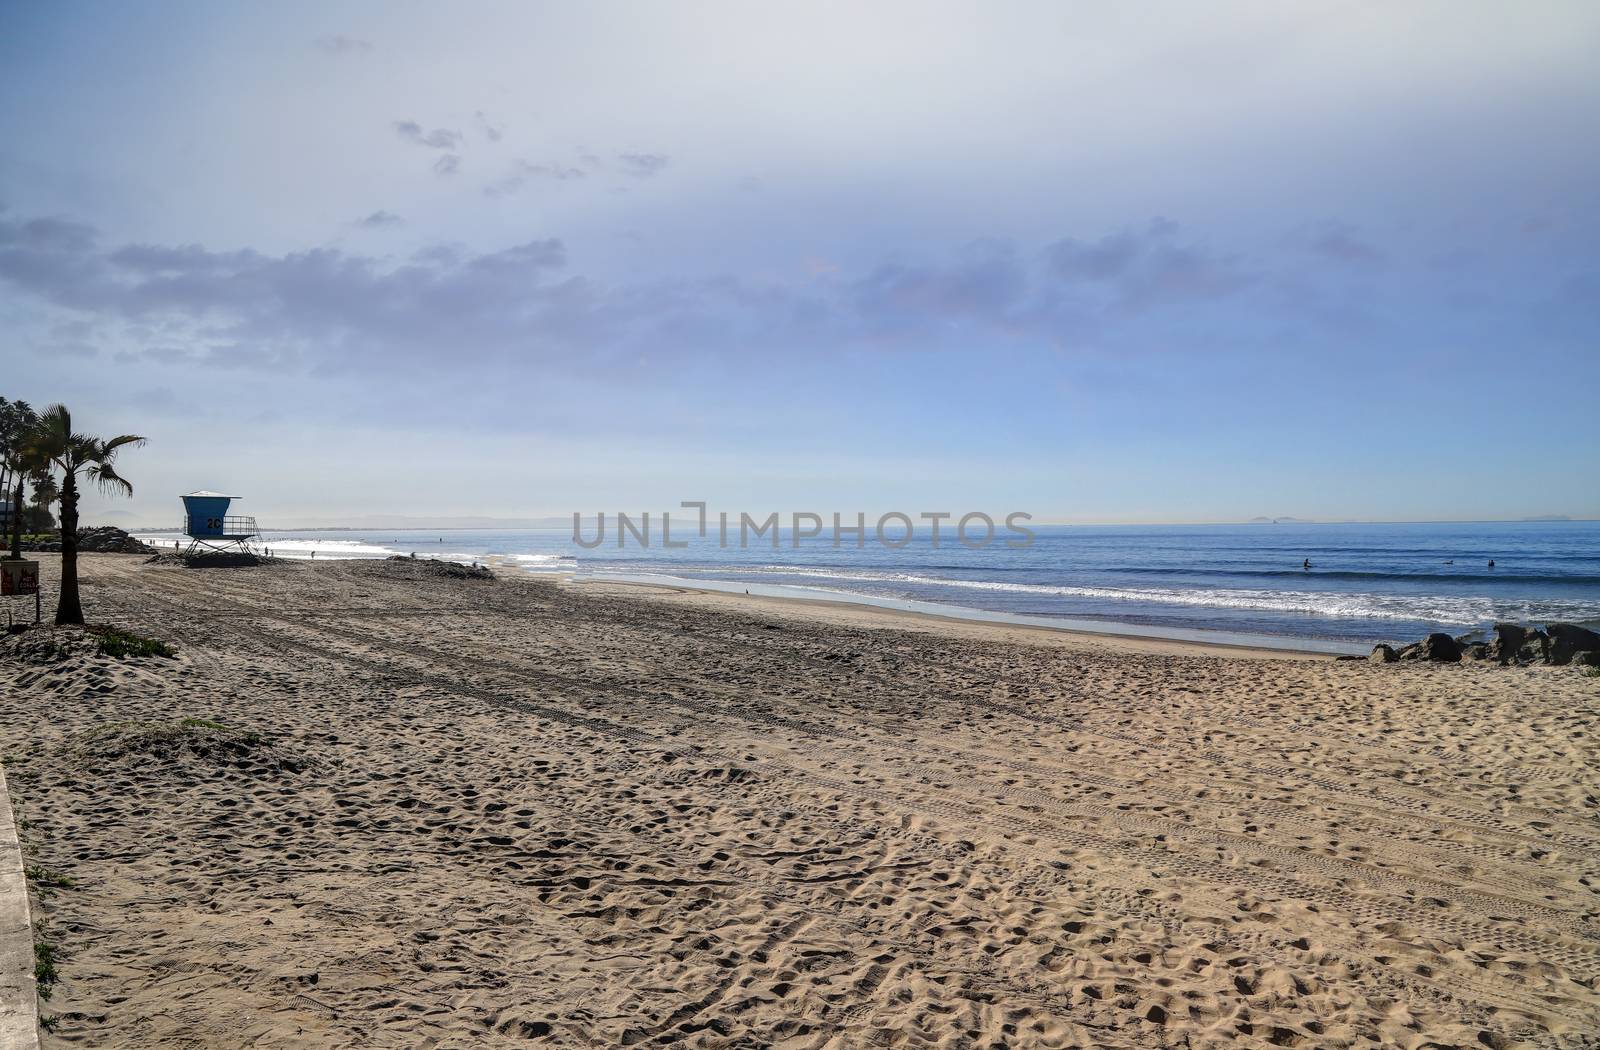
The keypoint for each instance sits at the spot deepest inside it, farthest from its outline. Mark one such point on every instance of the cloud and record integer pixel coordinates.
(438, 138)
(48, 234)
(986, 284)
(523, 172)
(331, 309)
(339, 44)
(380, 220)
(250, 309)
(642, 165)
(448, 164)
(162, 355)
(491, 131)
(1340, 243)
(1136, 270)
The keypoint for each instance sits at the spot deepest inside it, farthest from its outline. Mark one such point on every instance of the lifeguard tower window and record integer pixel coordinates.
(208, 524)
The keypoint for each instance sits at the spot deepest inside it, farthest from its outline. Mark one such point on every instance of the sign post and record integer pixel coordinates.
(20, 576)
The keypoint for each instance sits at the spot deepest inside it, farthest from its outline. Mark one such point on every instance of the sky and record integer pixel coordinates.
(1095, 262)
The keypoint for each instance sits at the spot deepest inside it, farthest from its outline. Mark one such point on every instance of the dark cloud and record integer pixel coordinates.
(249, 309)
(339, 44)
(1341, 244)
(438, 138)
(1141, 269)
(330, 309)
(642, 165)
(380, 220)
(448, 164)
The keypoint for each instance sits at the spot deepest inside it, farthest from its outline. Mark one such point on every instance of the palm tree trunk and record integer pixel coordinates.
(16, 520)
(69, 609)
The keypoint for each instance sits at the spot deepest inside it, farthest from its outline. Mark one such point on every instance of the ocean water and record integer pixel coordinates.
(1367, 582)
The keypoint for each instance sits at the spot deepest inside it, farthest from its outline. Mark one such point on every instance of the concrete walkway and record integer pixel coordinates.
(19, 1001)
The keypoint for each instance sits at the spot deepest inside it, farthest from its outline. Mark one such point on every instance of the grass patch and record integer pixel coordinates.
(183, 740)
(196, 734)
(1591, 672)
(48, 878)
(44, 967)
(120, 644)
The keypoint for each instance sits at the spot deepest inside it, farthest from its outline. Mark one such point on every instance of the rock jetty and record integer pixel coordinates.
(1558, 644)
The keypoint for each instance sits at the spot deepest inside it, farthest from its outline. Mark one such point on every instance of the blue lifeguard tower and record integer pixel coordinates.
(208, 524)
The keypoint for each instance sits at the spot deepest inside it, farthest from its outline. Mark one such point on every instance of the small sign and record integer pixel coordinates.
(19, 577)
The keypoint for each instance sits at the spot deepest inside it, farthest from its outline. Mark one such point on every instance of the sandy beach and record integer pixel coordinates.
(369, 806)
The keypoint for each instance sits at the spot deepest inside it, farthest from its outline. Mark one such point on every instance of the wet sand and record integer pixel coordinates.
(411, 811)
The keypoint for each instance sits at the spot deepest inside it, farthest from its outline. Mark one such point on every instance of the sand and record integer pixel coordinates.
(425, 812)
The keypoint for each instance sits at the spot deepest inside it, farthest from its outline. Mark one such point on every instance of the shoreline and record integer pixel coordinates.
(1158, 639)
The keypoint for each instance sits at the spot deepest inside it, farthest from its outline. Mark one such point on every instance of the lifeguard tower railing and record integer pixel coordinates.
(227, 527)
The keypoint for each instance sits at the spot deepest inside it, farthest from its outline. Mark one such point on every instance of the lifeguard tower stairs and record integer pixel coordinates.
(210, 527)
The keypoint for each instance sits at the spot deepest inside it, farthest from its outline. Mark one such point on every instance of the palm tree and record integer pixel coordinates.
(45, 493)
(55, 443)
(17, 422)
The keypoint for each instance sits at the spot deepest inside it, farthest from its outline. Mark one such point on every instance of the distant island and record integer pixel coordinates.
(1281, 521)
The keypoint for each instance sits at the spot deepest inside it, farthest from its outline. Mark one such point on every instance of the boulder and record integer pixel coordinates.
(1587, 658)
(1508, 639)
(1567, 640)
(1475, 651)
(1383, 654)
(1514, 643)
(1535, 650)
(1438, 647)
(102, 539)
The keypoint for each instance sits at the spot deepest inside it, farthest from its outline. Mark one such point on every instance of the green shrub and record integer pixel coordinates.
(120, 644)
(48, 878)
(44, 967)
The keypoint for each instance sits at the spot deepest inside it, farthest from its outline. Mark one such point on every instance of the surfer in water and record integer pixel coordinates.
(1491, 563)
(1306, 565)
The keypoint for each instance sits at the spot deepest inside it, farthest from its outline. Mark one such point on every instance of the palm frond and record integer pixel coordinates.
(54, 444)
(106, 476)
(109, 448)
(51, 440)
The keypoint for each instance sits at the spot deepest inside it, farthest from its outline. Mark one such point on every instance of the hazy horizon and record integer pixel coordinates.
(1128, 265)
(485, 524)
